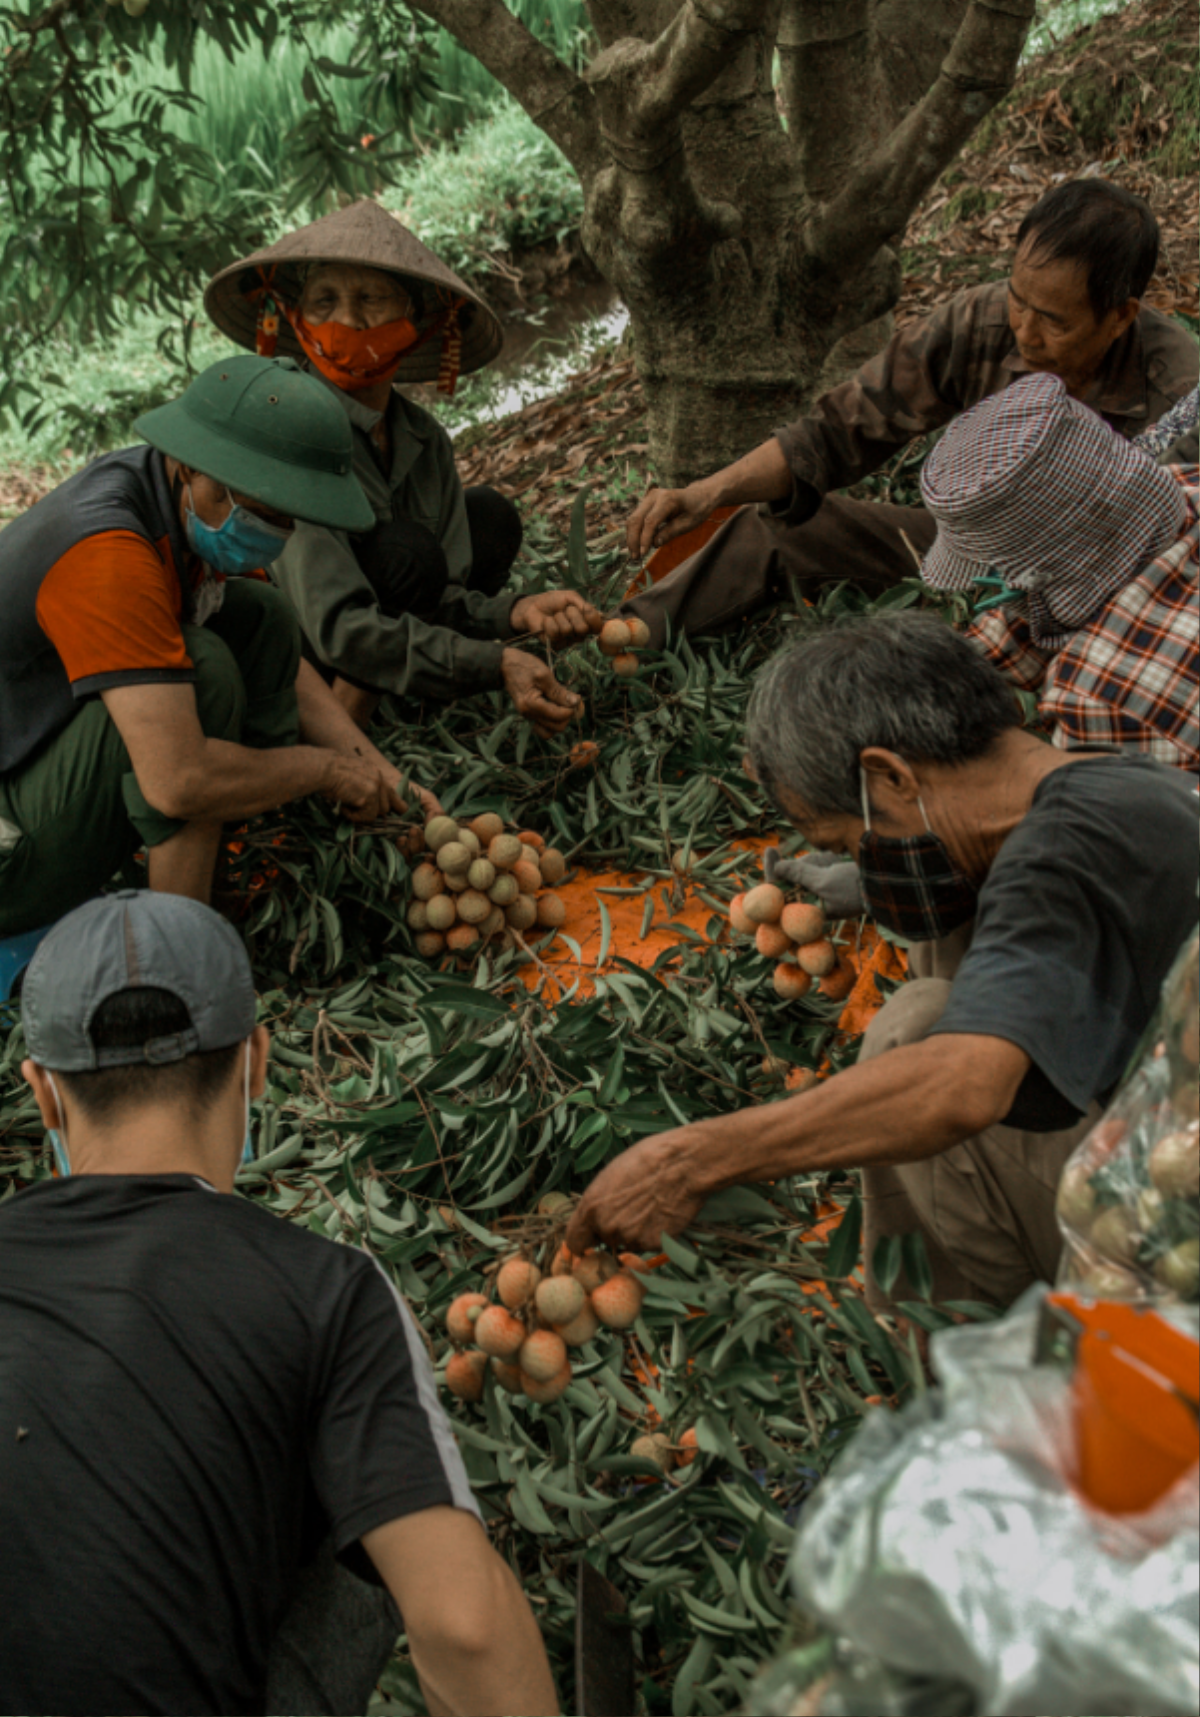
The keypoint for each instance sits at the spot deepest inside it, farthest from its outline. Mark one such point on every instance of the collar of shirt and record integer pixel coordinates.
(408, 434)
(1119, 386)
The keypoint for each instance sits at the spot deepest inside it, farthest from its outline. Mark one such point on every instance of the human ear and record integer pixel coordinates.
(1124, 317)
(43, 1094)
(887, 773)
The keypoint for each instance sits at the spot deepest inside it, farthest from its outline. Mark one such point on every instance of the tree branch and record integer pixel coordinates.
(830, 87)
(644, 87)
(874, 204)
(552, 95)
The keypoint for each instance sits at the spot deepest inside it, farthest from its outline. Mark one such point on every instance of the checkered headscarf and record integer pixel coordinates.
(1032, 485)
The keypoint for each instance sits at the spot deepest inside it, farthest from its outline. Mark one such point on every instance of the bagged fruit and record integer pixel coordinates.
(1129, 1197)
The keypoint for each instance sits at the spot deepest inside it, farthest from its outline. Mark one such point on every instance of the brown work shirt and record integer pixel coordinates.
(965, 351)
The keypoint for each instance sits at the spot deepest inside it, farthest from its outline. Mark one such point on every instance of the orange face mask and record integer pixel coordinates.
(355, 358)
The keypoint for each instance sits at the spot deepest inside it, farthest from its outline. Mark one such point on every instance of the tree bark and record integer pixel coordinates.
(750, 245)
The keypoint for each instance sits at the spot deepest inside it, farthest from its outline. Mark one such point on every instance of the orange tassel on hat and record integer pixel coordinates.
(266, 327)
(451, 354)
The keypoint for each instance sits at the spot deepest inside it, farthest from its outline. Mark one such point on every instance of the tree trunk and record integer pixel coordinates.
(749, 252)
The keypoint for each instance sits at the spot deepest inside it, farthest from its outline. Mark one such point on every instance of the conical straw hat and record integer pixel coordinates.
(363, 233)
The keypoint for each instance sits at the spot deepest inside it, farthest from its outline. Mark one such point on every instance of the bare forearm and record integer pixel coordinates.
(913, 1102)
(226, 781)
(329, 720)
(762, 475)
(508, 1674)
(324, 721)
(474, 1642)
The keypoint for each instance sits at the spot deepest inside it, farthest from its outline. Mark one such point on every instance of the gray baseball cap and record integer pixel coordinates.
(131, 940)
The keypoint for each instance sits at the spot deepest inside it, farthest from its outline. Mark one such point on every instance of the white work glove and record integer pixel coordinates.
(833, 880)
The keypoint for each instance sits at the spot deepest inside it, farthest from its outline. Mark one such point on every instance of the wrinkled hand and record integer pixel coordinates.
(666, 513)
(559, 616)
(833, 880)
(360, 788)
(403, 790)
(537, 694)
(640, 1195)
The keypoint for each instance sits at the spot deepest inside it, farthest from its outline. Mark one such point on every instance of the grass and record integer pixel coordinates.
(1059, 17)
(502, 186)
(246, 108)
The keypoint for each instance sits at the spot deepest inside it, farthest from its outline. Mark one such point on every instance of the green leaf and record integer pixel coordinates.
(680, 1255)
(577, 555)
(916, 1264)
(885, 1261)
(841, 1258)
(464, 1001)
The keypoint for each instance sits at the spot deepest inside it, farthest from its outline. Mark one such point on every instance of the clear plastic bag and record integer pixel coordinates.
(953, 1567)
(1129, 1197)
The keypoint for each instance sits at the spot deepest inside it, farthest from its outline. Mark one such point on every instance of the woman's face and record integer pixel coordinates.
(354, 296)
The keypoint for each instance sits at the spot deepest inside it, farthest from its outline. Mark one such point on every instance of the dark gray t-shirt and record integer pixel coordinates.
(1085, 908)
(193, 1395)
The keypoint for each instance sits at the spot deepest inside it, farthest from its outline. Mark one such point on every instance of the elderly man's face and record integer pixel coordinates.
(827, 831)
(1051, 315)
(355, 296)
(894, 792)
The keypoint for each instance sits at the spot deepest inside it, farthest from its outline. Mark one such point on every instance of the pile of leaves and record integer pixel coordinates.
(424, 1112)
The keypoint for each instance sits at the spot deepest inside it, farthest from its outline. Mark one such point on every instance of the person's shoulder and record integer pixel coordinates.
(1169, 355)
(111, 493)
(319, 1272)
(1139, 790)
(984, 306)
(1157, 326)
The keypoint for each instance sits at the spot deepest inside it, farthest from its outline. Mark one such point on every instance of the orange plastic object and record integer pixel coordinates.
(674, 553)
(1136, 1384)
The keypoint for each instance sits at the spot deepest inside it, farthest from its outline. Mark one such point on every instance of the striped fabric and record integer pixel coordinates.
(1130, 676)
(1034, 486)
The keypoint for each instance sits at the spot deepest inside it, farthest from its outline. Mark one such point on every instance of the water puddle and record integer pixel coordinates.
(541, 352)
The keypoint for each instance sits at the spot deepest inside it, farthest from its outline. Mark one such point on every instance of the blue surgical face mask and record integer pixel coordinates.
(58, 1135)
(242, 544)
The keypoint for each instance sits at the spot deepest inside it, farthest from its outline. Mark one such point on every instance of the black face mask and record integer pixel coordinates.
(910, 882)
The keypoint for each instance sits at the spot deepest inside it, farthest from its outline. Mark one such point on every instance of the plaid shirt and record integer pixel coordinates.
(1130, 675)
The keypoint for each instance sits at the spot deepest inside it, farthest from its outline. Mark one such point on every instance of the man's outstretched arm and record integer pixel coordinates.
(912, 1102)
(474, 1642)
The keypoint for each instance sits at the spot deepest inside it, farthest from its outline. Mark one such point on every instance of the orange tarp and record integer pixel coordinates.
(674, 553)
(675, 903)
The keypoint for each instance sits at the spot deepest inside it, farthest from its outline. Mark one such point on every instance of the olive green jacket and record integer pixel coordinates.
(335, 602)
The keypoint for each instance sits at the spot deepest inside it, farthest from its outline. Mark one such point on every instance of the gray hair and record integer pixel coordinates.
(903, 681)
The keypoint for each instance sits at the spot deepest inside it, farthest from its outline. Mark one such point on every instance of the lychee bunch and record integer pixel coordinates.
(793, 934)
(476, 882)
(524, 1336)
(621, 640)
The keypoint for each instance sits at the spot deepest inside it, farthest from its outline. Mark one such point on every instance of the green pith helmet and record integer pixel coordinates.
(264, 428)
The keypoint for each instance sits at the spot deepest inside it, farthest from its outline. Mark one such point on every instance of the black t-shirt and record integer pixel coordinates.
(193, 1394)
(1084, 909)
